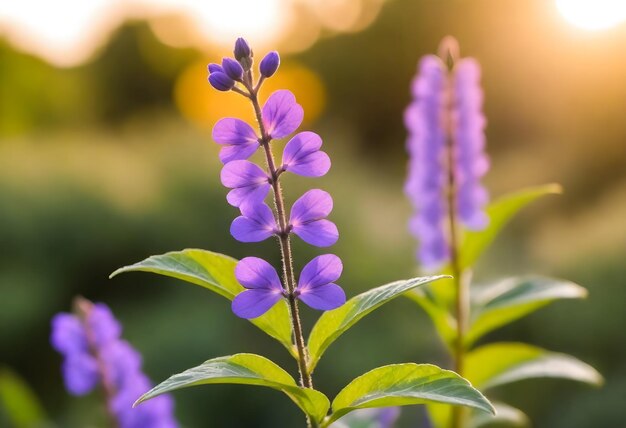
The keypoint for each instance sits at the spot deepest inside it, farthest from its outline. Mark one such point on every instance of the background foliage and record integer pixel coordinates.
(106, 163)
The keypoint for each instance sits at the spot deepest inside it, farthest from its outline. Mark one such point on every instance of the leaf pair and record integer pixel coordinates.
(393, 385)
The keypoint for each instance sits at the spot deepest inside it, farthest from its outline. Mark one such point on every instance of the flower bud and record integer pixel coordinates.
(221, 81)
(269, 64)
(242, 49)
(212, 68)
(232, 68)
(243, 53)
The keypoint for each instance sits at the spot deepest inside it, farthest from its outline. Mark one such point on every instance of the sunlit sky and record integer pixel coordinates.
(66, 32)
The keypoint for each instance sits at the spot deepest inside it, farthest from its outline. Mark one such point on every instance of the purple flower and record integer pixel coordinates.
(316, 287)
(302, 155)
(282, 114)
(257, 223)
(232, 68)
(94, 354)
(308, 219)
(445, 115)
(264, 290)
(238, 139)
(269, 64)
(249, 183)
(220, 81)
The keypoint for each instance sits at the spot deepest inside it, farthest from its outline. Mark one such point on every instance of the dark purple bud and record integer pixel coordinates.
(243, 54)
(232, 68)
(269, 64)
(242, 49)
(221, 81)
(215, 68)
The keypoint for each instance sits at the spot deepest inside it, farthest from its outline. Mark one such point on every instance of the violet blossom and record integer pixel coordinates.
(446, 147)
(250, 184)
(95, 355)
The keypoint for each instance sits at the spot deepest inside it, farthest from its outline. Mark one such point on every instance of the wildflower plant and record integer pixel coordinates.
(455, 224)
(272, 301)
(95, 355)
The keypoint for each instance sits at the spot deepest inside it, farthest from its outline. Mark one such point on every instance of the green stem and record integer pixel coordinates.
(285, 243)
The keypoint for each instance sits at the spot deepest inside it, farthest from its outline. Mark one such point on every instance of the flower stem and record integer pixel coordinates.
(449, 53)
(285, 243)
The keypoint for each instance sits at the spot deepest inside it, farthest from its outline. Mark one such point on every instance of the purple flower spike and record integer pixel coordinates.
(302, 155)
(214, 68)
(269, 64)
(281, 114)
(221, 81)
(263, 288)
(237, 137)
(249, 183)
(232, 68)
(256, 224)
(316, 287)
(308, 219)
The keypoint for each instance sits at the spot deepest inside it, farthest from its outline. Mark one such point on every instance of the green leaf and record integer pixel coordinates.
(247, 369)
(505, 415)
(512, 298)
(407, 384)
(215, 272)
(475, 243)
(500, 212)
(502, 363)
(334, 323)
(18, 402)
(444, 322)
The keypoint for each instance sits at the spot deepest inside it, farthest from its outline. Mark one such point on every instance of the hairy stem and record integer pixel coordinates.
(285, 243)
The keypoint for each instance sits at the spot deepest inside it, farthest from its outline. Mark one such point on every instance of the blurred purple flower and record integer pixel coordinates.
(445, 115)
(94, 354)
(308, 219)
(264, 289)
(242, 49)
(214, 68)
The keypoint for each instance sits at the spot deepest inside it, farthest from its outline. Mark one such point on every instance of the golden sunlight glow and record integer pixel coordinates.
(203, 105)
(593, 14)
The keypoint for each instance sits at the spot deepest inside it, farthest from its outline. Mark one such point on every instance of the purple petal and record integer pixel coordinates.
(239, 139)
(80, 372)
(324, 298)
(321, 270)
(281, 114)
(256, 224)
(254, 303)
(249, 183)
(104, 327)
(253, 272)
(321, 233)
(302, 155)
(68, 335)
(313, 205)
(221, 81)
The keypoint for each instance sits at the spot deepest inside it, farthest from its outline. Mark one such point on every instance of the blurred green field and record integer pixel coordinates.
(100, 167)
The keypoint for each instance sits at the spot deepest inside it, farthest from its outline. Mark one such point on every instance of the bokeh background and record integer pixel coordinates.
(106, 158)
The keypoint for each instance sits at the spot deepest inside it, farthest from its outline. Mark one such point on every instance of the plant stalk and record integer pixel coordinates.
(285, 243)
